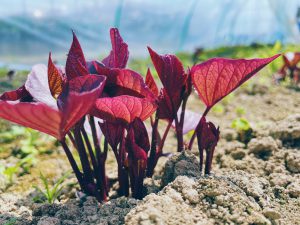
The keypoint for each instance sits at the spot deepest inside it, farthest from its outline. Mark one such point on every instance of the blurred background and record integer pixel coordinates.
(29, 29)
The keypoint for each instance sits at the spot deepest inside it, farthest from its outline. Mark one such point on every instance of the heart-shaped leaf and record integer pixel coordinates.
(123, 109)
(76, 64)
(216, 78)
(119, 54)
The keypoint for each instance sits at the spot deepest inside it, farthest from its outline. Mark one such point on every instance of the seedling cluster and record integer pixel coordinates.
(93, 106)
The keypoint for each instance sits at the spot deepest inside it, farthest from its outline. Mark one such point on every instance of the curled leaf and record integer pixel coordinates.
(150, 82)
(20, 94)
(170, 72)
(55, 78)
(119, 54)
(78, 97)
(38, 87)
(207, 134)
(76, 64)
(113, 133)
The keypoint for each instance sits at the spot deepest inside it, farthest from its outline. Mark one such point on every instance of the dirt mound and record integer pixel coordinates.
(234, 198)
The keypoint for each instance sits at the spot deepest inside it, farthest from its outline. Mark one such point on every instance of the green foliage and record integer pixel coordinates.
(11, 221)
(240, 124)
(240, 111)
(218, 109)
(243, 128)
(51, 194)
(10, 173)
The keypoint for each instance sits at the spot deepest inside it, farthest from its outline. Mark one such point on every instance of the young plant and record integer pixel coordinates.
(213, 80)
(51, 194)
(290, 68)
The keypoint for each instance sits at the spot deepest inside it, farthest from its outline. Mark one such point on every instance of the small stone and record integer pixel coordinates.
(271, 214)
(294, 189)
(262, 147)
(191, 195)
(238, 154)
(293, 162)
(180, 164)
(46, 220)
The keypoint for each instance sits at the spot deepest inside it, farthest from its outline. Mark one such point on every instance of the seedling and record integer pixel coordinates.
(58, 101)
(51, 194)
(243, 127)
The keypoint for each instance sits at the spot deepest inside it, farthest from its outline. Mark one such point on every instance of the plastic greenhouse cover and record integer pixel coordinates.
(31, 28)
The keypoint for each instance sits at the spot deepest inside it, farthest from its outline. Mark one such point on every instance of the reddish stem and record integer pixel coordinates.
(197, 127)
(153, 149)
(162, 142)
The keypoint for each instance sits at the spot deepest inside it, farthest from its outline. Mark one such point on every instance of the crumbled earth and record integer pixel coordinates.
(72, 212)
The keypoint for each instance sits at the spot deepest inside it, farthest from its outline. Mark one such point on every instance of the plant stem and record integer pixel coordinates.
(197, 127)
(90, 150)
(153, 149)
(74, 166)
(122, 170)
(162, 142)
(87, 171)
(95, 137)
(72, 139)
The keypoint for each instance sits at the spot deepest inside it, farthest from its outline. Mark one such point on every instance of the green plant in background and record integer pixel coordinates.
(240, 111)
(244, 129)
(7, 136)
(51, 194)
(9, 173)
(11, 221)
(218, 109)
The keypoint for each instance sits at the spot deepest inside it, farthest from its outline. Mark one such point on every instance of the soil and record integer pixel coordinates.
(253, 182)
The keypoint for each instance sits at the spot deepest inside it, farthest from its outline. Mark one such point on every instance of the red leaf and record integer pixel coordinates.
(123, 108)
(18, 94)
(75, 103)
(140, 134)
(37, 116)
(119, 54)
(168, 107)
(78, 98)
(125, 82)
(151, 83)
(170, 72)
(113, 133)
(55, 78)
(207, 134)
(216, 78)
(76, 64)
(135, 152)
